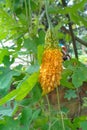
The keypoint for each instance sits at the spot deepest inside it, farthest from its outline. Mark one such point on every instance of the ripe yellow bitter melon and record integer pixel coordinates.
(51, 67)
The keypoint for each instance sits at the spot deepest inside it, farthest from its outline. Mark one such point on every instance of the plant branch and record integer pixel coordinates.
(71, 31)
(76, 38)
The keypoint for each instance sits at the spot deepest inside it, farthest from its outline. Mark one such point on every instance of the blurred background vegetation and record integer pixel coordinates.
(23, 25)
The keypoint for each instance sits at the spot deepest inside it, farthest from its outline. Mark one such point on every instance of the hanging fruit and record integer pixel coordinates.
(51, 67)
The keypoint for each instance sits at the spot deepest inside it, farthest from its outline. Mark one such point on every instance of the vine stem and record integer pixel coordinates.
(27, 16)
(46, 8)
(30, 14)
(49, 111)
(59, 108)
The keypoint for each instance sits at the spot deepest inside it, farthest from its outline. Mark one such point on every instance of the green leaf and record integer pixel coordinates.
(6, 61)
(83, 125)
(71, 64)
(70, 94)
(66, 75)
(7, 24)
(40, 122)
(74, 17)
(34, 5)
(9, 96)
(30, 45)
(3, 53)
(77, 79)
(78, 19)
(79, 75)
(33, 68)
(26, 86)
(40, 53)
(67, 38)
(74, 8)
(5, 111)
(35, 114)
(72, 126)
(6, 77)
(26, 117)
(10, 124)
(23, 89)
(78, 72)
(41, 37)
(36, 95)
(79, 121)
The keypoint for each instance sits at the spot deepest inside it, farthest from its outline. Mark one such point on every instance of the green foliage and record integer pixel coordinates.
(10, 124)
(25, 117)
(79, 76)
(65, 78)
(30, 45)
(36, 96)
(33, 68)
(74, 74)
(22, 36)
(72, 9)
(83, 125)
(22, 90)
(70, 94)
(5, 111)
(40, 53)
(3, 52)
(6, 77)
(28, 116)
(26, 85)
(8, 97)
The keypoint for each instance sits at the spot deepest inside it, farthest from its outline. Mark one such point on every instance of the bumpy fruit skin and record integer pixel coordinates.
(50, 70)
